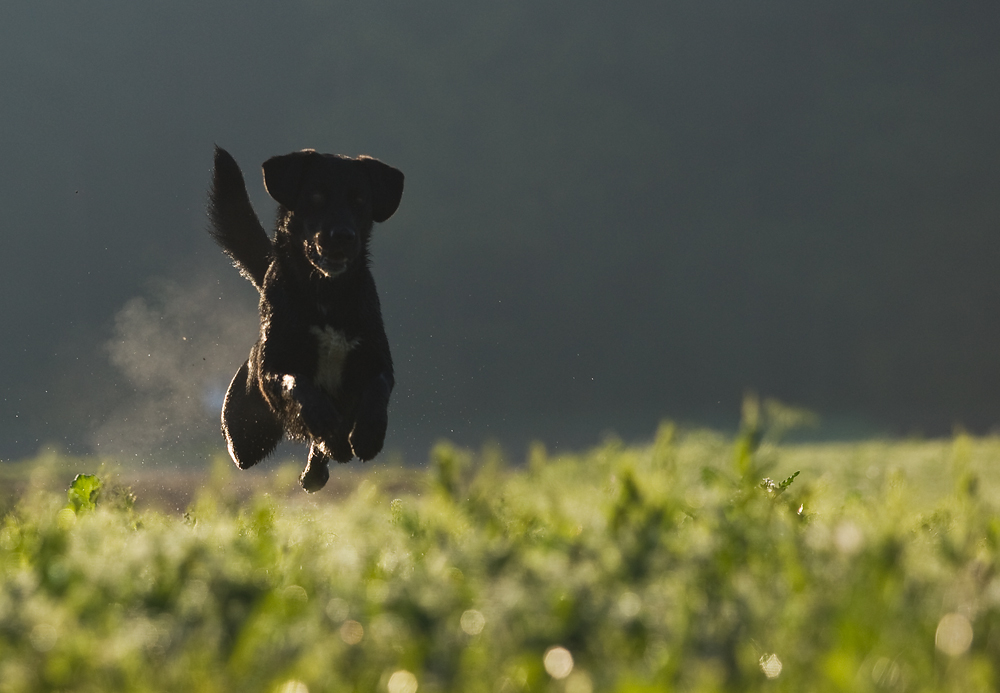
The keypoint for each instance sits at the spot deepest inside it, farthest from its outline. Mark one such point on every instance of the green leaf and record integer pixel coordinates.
(774, 488)
(788, 482)
(83, 492)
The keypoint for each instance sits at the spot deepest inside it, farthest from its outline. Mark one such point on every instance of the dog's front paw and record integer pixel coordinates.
(369, 435)
(339, 448)
(320, 418)
(315, 477)
(316, 473)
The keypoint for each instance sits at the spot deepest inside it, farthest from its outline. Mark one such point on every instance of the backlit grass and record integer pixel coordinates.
(694, 563)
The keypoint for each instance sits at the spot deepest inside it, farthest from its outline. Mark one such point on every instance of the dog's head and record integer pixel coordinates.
(331, 202)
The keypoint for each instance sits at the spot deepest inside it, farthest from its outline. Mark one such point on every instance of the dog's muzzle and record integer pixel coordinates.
(332, 251)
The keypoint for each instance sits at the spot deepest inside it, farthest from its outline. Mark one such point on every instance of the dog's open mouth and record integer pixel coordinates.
(328, 265)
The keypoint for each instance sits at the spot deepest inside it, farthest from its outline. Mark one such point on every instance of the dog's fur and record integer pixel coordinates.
(321, 371)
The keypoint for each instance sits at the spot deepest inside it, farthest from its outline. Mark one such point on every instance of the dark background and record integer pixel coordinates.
(614, 213)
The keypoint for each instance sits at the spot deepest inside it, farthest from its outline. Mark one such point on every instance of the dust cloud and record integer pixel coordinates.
(178, 348)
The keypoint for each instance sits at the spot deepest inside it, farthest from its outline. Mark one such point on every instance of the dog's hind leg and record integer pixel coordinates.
(251, 428)
(316, 473)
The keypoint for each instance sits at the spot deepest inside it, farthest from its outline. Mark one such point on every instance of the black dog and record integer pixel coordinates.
(321, 371)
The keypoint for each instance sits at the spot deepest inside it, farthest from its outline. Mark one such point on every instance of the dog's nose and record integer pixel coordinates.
(342, 236)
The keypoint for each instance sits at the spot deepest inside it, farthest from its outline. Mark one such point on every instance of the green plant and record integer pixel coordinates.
(672, 566)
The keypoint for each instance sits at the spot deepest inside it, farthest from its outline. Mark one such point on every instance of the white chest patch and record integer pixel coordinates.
(332, 348)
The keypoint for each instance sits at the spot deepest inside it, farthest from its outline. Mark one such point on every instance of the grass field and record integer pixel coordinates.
(698, 562)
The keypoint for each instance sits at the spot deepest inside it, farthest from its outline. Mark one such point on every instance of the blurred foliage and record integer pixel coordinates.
(84, 492)
(674, 566)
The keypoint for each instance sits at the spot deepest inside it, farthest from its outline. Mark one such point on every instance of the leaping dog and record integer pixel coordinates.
(321, 371)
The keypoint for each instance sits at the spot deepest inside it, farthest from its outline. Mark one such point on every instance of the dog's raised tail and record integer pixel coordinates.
(235, 226)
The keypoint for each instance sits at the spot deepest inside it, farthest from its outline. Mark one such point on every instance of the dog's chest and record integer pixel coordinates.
(332, 348)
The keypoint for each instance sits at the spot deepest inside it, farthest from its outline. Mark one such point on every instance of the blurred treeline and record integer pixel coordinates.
(615, 212)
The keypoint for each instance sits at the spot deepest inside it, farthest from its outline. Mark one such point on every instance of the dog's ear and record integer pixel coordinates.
(387, 187)
(283, 174)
